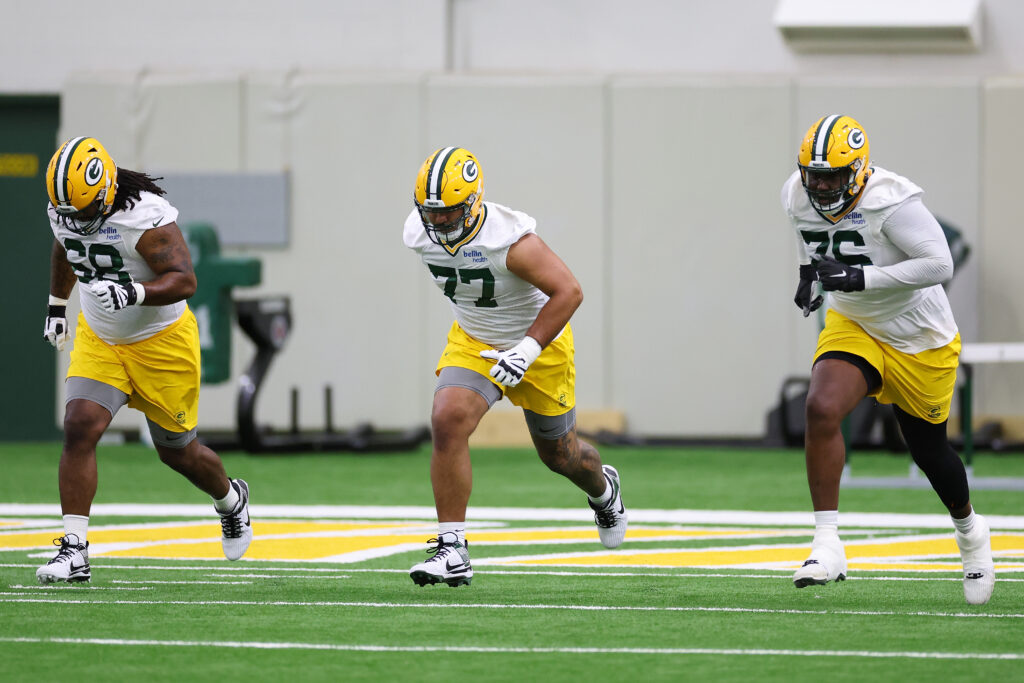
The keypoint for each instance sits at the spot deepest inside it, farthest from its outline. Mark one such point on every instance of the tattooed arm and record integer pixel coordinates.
(167, 254)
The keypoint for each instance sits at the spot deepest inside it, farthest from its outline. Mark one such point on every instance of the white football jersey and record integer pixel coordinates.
(490, 303)
(110, 254)
(904, 255)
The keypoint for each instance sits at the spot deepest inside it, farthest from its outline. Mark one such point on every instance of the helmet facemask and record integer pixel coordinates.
(85, 221)
(446, 225)
(831, 190)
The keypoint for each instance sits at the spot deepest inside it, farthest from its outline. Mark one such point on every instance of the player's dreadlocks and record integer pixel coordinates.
(130, 184)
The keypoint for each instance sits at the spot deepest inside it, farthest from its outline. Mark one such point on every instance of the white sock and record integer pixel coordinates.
(228, 502)
(449, 528)
(826, 523)
(965, 525)
(76, 525)
(603, 499)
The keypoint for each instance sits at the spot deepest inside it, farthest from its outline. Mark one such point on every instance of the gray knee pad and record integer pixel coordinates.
(468, 379)
(107, 396)
(169, 439)
(550, 427)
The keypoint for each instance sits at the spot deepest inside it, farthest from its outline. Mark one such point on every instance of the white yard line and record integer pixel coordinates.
(351, 647)
(19, 597)
(667, 573)
(577, 514)
(188, 583)
(272, 576)
(64, 587)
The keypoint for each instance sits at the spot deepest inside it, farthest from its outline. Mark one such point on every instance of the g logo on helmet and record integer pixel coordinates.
(469, 171)
(94, 171)
(855, 139)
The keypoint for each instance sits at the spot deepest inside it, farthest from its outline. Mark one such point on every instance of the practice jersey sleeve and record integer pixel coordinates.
(913, 229)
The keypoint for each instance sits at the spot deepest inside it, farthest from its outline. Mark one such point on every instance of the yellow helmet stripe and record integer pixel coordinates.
(60, 175)
(821, 136)
(436, 173)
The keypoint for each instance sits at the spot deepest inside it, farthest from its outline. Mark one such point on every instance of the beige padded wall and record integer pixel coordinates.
(190, 122)
(352, 287)
(105, 106)
(268, 104)
(1000, 388)
(703, 262)
(540, 147)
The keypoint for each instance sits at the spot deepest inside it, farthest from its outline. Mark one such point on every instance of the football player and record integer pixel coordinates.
(512, 298)
(136, 341)
(867, 239)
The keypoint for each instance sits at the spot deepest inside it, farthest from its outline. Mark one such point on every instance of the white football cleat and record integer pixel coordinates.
(611, 519)
(71, 564)
(236, 530)
(979, 569)
(826, 563)
(449, 564)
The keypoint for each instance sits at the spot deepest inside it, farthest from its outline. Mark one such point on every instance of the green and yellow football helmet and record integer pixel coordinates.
(81, 180)
(449, 195)
(834, 165)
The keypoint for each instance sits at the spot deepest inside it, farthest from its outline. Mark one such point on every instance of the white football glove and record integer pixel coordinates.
(114, 296)
(56, 328)
(511, 365)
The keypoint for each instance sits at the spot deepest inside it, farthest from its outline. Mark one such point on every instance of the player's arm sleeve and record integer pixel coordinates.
(802, 257)
(914, 230)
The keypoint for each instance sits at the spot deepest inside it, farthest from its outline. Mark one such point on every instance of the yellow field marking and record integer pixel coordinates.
(300, 548)
(590, 534)
(189, 530)
(310, 541)
(907, 554)
(353, 541)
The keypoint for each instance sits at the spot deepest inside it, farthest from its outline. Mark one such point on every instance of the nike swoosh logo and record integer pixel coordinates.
(461, 566)
(156, 223)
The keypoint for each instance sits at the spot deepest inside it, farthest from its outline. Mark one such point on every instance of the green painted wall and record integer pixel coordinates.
(28, 132)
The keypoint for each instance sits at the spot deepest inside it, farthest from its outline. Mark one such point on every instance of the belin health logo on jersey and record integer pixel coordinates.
(856, 218)
(94, 171)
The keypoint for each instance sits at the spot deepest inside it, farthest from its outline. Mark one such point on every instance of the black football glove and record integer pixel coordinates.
(837, 276)
(808, 275)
